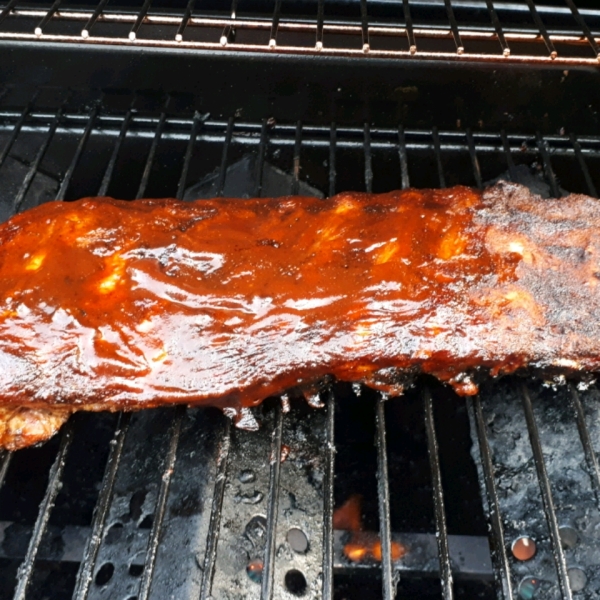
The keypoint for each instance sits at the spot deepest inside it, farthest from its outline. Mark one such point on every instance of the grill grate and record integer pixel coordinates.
(198, 452)
(46, 506)
(501, 568)
(546, 493)
(438, 500)
(90, 555)
(458, 30)
(383, 495)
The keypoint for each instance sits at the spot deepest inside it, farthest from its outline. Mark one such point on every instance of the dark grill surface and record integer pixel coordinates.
(177, 503)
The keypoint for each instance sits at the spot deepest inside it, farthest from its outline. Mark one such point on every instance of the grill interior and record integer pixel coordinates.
(184, 99)
(178, 503)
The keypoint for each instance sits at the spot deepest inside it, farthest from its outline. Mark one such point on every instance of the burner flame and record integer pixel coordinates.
(363, 545)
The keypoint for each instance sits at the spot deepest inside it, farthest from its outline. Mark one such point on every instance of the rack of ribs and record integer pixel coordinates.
(117, 305)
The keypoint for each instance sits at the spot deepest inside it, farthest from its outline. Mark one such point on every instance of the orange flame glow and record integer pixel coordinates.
(362, 545)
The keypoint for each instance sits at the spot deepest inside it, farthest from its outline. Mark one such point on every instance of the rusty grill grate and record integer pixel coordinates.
(538, 469)
(458, 30)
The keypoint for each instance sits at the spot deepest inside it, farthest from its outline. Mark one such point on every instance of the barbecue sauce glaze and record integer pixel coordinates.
(109, 304)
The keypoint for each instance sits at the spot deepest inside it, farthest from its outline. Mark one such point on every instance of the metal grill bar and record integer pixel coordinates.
(223, 168)
(543, 31)
(229, 31)
(196, 124)
(296, 165)
(586, 174)
(410, 34)
(403, 158)
(548, 170)
(115, 154)
(7, 9)
(509, 161)
(139, 20)
(17, 128)
(90, 555)
(210, 554)
(328, 500)
(184, 20)
(586, 441)
(62, 192)
(39, 29)
(266, 592)
(368, 160)
(438, 499)
(474, 161)
(383, 495)
(150, 159)
(454, 27)
(85, 32)
(546, 493)
(438, 156)
(364, 23)
(260, 162)
(275, 24)
(320, 17)
(586, 30)
(501, 566)
(161, 504)
(332, 146)
(38, 160)
(5, 458)
(46, 506)
(570, 61)
(498, 27)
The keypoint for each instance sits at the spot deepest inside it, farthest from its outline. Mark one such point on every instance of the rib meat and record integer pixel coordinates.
(109, 304)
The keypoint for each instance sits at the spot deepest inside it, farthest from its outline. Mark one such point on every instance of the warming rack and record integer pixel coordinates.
(490, 31)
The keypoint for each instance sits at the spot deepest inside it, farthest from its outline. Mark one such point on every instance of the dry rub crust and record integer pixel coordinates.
(115, 305)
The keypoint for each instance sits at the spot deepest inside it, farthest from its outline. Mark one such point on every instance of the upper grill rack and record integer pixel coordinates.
(214, 460)
(457, 30)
